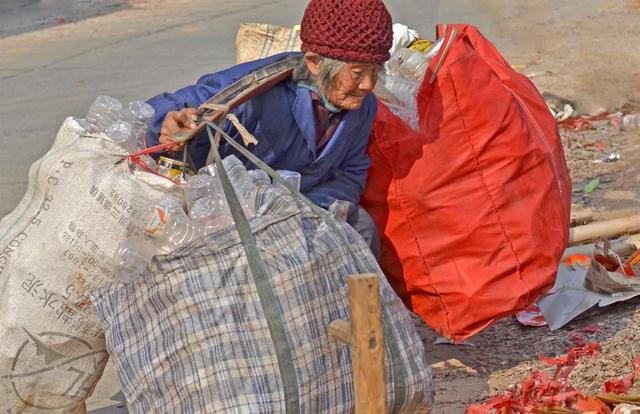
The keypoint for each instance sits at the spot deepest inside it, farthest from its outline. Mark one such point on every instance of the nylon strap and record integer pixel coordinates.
(261, 279)
(399, 385)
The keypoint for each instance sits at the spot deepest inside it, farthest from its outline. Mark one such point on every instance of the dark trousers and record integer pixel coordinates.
(362, 222)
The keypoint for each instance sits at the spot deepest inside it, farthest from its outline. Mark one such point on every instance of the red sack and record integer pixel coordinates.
(474, 208)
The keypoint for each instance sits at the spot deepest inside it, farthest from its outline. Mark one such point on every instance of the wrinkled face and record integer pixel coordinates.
(351, 85)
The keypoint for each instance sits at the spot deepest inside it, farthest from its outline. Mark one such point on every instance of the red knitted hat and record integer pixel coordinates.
(347, 30)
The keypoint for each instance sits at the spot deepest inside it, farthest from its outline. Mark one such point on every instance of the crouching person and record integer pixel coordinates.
(318, 123)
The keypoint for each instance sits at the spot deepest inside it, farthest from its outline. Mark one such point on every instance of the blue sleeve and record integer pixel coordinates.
(349, 186)
(195, 95)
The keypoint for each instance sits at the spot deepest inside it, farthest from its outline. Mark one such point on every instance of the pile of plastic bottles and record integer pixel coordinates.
(168, 226)
(125, 126)
(404, 72)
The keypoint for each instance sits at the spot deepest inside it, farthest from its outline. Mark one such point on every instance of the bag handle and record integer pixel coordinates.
(442, 31)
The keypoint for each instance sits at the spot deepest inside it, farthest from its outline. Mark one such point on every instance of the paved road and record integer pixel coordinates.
(20, 16)
(132, 54)
(153, 46)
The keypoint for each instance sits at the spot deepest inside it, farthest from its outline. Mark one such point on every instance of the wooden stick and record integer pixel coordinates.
(584, 215)
(581, 215)
(608, 229)
(621, 246)
(364, 334)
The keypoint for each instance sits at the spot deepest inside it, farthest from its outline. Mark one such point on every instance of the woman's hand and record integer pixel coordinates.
(174, 122)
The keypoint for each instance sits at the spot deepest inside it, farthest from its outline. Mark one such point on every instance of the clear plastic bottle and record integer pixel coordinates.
(259, 177)
(631, 121)
(242, 183)
(121, 133)
(170, 226)
(151, 163)
(83, 123)
(104, 111)
(167, 228)
(414, 66)
(139, 114)
(133, 255)
(199, 186)
(293, 177)
(211, 214)
(206, 203)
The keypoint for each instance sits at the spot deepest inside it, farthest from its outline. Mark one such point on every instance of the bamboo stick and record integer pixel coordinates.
(608, 229)
(581, 215)
(621, 246)
(585, 215)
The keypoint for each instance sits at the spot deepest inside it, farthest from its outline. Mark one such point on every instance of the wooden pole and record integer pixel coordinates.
(621, 246)
(585, 215)
(608, 229)
(365, 336)
(581, 215)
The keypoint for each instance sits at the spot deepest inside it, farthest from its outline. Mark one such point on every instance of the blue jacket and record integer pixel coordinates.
(282, 119)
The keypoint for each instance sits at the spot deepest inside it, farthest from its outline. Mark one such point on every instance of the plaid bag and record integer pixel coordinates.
(192, 335)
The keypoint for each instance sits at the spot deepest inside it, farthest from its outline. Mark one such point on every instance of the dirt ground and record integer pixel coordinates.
(587, 53)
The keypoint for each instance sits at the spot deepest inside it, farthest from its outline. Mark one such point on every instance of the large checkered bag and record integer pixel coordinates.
(213, 328)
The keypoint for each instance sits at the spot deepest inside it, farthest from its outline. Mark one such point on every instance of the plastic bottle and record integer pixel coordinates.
(211, 214)
(83, 123)
(151, 163)
(414, 66)
(169, 225)
(104, 111)
(121, 133)
(631, 121)
(199, 186)
(206, 203)
(242, 183)
(139, 114)
(133, 255)
(167, 228)
(259, 177)
(293, 177)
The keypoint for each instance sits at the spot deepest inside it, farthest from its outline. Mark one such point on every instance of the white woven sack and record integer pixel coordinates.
(56, 248)
(259, 40)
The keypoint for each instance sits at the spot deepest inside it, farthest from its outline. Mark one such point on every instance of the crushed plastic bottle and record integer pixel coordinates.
(83, 123)
(167, 228)
(401, 79)
(211, 214)
(259, 177)
(150, 162)
(132, 257)
(169, 224)
(121, 133)
(242, 183)
(139, 114)
(206, 202)
(293, 177)
(103, 113)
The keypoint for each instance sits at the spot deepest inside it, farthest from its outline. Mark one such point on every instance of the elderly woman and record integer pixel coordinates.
(319, 122)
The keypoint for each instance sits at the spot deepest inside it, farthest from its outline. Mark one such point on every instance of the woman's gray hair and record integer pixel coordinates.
(329, 68)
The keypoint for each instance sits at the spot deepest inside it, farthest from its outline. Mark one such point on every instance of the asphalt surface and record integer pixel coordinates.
(138, 50)
(20, 16)
(59, 74)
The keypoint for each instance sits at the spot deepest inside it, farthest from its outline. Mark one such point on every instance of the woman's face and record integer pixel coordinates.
(352, 84)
